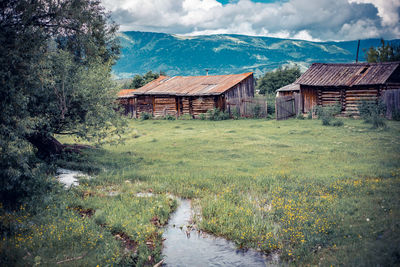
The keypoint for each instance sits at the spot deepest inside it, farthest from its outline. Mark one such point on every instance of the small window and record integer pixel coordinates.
(364, 70)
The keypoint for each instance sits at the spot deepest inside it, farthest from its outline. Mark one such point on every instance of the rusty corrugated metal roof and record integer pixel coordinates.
(351, 74)
(191, 85)
(289, 87)
(125, 93)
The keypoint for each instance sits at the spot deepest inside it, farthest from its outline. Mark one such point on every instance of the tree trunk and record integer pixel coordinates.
(45, 144)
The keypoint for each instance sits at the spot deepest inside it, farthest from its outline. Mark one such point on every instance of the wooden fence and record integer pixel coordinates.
(251, 107)
(391, 98)
(288, 106)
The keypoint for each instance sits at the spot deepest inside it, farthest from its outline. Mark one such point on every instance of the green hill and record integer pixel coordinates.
(223, 54)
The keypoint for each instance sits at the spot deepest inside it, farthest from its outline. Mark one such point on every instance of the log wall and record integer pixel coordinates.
(144, 104)
(353, 97)
(348, 97)
(186, 105)
(202, 105)
(329, 97)
(128, 106)
(164, 106)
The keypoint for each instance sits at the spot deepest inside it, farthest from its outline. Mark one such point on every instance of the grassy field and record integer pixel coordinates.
(315, 194)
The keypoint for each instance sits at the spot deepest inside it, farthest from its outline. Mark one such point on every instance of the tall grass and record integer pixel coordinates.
(313, 194)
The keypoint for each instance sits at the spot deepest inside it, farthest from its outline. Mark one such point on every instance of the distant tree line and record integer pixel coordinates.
(140, 80)
(387, 52)
(273, 80)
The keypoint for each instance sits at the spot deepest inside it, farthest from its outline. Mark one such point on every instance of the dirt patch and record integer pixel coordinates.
(85, 213)
(155, 221)
(127, 241)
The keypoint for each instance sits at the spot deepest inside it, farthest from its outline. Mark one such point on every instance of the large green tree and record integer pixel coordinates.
(139, 80)
(276, 79)
(384, 53)
(55, 58)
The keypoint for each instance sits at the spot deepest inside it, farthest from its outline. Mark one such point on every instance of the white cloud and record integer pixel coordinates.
(305, 35)
(388, 10)
(361, 29)
(298, 19)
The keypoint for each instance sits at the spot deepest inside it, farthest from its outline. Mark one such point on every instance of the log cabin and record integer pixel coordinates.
(191, 95)
(347, 84)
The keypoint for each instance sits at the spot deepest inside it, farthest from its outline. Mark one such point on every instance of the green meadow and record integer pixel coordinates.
(313, 194)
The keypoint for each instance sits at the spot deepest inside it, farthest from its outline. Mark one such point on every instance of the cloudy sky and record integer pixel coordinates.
(318, 20)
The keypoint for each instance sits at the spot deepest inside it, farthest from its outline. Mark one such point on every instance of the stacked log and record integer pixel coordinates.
(328, 98)
(202, 105)
(185, 105)
(164, 106)
(353, 98)
(144, 104)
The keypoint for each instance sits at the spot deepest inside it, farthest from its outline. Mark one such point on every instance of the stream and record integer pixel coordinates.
(184, 246)
(68, 178)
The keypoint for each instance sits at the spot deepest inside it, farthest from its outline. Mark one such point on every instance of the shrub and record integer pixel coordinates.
(24, 179)
(257, 112)
(396, 115)
(337, 123)
(300, 116)
(236, 113)
(271, 98)
(309, 115)
(373, 112)
(145, 116)
(202, 116)
(169, 117)
(217, 115)
(185, 117)
(328, 113)
(378, 122)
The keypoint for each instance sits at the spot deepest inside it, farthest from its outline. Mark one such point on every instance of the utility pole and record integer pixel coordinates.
(358, 48)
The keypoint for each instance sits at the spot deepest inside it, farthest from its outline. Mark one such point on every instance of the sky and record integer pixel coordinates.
(313, 20)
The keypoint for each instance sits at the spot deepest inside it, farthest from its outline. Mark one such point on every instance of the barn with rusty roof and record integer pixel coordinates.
(191, 95)
(348, 84)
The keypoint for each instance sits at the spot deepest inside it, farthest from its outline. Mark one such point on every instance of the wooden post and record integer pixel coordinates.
(136, 111)
(190, 106)
(177, 106)
(153, 105)
(358, 48)
(343, 98)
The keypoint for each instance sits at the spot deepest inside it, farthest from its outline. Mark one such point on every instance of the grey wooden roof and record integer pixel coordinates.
(351, 74)
(289, 87)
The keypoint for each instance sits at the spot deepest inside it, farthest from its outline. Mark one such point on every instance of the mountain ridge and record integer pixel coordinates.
(227, 53)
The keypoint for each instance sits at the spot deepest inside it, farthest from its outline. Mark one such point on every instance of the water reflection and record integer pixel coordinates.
(184, 246)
